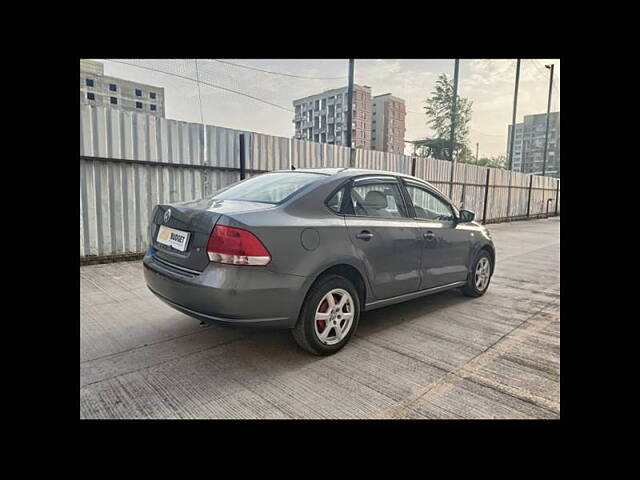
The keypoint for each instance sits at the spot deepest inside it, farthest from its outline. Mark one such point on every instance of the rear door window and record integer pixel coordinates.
(380, 198)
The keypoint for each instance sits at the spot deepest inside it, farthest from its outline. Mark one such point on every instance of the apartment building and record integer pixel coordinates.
(89, 66)
(98, 89)
(323, 117)
(388, 123)
(528, 147)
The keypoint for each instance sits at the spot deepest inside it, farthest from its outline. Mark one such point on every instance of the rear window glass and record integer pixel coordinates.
(335, 202)
(269, 187)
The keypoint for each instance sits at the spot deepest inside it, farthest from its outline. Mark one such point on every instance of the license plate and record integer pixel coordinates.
(174, 238)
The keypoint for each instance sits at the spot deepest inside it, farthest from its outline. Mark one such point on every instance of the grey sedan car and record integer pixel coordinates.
(310, 249)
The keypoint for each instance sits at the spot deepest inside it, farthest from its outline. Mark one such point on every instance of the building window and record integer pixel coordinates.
(114, 100)
(138, 92)
(138, 104)
(91, 96)
(152, 107)
(113, 88)
(89, 82)
(152, 95)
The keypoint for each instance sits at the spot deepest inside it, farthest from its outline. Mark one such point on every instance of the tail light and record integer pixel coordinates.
(236, 246)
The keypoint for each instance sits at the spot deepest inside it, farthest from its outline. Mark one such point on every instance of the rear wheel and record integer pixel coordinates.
(480, 275)
(329, 316)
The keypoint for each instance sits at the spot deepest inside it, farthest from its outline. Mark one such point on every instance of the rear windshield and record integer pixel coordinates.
(269, 187)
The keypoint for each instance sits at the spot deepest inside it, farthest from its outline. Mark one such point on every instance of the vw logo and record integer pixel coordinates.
(167, 215)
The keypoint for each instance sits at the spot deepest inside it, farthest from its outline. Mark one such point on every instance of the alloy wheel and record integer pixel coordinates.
(483, 273)
(334, 316)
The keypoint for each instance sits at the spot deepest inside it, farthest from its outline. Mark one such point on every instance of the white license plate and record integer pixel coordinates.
(174, 238)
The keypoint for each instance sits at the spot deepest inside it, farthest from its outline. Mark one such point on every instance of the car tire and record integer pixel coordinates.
(322, 328)
(479, 276)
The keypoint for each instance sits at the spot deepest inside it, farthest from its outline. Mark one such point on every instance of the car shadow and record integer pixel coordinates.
(387, 317)
(254, 358)
(275, 342)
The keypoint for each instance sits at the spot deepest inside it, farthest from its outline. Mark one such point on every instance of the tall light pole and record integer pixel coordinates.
(513, 133)
(477, 149)
(350, 115)
(454, 106)
(513, 121)
(546, 135)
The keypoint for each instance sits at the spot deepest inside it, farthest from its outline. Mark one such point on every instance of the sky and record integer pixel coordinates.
(489, 84)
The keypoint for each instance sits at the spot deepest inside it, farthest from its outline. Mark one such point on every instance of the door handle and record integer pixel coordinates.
(365, 235)
(429, 235)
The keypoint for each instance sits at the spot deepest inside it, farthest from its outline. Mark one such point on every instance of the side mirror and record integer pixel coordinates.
(466, 216)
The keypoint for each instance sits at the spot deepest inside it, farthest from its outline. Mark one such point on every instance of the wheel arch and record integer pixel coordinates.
(344, 269)
(487, 247)
(352, 274)
(475, 251)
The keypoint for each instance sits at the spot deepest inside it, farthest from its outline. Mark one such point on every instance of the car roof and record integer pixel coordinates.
(352, 172)
(347, 172)
(324, 171)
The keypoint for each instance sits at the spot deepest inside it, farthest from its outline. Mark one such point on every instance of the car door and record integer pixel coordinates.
(384, 236)
(445, 248)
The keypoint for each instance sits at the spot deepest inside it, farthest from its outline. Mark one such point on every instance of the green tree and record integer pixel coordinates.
(465, 155)
(498, 161)
(435, 148)
(438, 110)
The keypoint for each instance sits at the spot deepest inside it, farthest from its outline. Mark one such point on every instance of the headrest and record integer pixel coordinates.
(375, 199)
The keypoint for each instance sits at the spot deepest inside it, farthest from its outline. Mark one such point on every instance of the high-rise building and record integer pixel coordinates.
(323, 117)
(528, 146)
(388, 123)
(90, 66)
(98, 89)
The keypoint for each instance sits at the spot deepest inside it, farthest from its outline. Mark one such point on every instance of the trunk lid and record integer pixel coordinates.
(197, 218)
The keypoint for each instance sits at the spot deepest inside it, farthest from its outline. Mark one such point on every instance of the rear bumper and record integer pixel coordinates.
(228, 294)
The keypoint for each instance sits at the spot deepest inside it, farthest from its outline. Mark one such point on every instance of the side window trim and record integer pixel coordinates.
(407, 198)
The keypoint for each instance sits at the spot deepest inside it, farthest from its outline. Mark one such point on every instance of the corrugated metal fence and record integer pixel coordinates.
(131, 161)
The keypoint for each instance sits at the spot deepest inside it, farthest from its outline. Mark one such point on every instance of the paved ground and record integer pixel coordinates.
(442, 356)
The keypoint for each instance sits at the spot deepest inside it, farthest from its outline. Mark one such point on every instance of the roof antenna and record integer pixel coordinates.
(293, 167)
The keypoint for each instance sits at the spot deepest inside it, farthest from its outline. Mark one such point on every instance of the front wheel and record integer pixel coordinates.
(329, 316)
(480, 275)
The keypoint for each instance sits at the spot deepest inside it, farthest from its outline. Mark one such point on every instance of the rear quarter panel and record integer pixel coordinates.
(282, 230)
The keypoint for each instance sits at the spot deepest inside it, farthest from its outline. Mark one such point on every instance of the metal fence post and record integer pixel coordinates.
(509, 197)
(555, 213)
(413, 166)
(486, 197)
(463, 197)
(242, 159)
(453, 173)
(529, 200)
